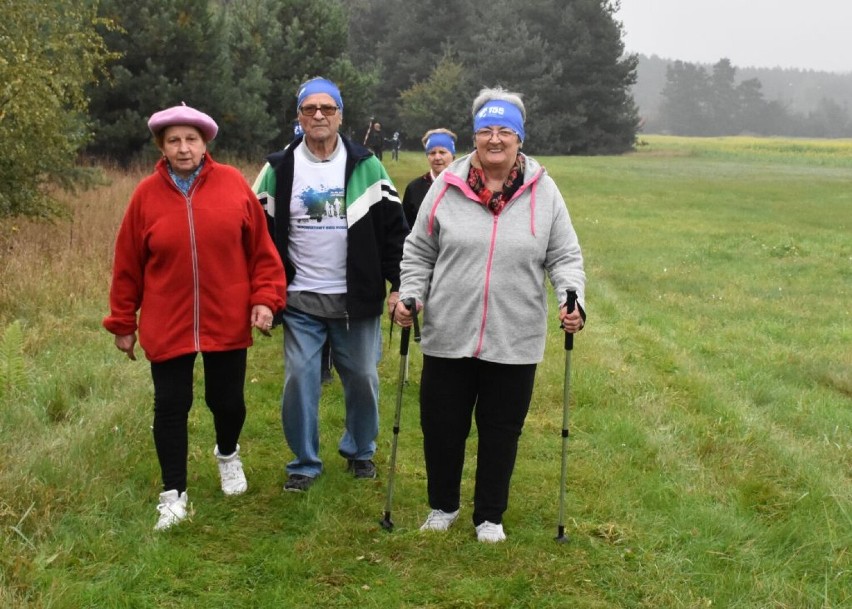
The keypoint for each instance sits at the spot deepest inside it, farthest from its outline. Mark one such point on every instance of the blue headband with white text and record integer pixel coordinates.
(443, 140)
(499, 113)
(319, 85)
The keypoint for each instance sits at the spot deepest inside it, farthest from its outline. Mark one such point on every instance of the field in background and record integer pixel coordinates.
(711, 417)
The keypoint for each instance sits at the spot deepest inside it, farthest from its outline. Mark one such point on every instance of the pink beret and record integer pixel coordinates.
(183, 115)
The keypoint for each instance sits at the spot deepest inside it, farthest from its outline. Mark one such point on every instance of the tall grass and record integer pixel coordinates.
(711, 428)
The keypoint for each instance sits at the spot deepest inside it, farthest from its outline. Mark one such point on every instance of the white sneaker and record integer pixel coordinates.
(488, 532)
(439, 520)
(231, 472)
(172, 508)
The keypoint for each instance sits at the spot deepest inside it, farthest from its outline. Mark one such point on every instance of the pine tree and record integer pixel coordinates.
(433, 103)
(685, 108)
(168, 54)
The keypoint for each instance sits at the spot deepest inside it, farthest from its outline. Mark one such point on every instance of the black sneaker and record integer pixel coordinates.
(298, 483)
(362, 468)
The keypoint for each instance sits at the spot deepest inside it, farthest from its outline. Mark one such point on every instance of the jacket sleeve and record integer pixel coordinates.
(421, 252)
(264, 188)
(128, 272)
(410, 204)
(396, 229)
(564, 259)
(266, 273)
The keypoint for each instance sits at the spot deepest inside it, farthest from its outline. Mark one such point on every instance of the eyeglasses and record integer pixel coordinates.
(502, 134)
(312, 110)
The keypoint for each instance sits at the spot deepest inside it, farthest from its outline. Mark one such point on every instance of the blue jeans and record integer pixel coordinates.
(356, 347)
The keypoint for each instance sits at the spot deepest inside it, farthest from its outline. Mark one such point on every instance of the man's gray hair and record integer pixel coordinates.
(498, 93)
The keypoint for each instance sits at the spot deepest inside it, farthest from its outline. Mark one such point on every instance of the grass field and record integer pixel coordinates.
(710, 459)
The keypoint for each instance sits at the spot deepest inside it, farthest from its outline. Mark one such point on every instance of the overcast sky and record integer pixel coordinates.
(807, 34)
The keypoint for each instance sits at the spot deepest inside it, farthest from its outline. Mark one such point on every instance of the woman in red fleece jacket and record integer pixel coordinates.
(195, 260)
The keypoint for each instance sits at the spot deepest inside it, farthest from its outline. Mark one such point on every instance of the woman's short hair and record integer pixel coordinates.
(498, 93)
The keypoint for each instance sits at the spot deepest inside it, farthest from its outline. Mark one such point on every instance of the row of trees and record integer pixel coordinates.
(698, 102)
(802, 93)
(566, 56)
(238, 60)
(86, 75)
(410, 65)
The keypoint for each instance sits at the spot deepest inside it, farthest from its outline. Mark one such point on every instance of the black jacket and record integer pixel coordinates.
(413, 197)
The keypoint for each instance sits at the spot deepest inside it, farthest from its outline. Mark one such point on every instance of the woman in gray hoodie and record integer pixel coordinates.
(490, 228)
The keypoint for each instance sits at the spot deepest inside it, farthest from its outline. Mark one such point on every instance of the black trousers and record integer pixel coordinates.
(451, 390)
(224, 384)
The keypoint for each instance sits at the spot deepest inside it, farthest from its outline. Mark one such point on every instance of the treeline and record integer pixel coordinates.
(566, 56)
(238, 60)
(84, 76)
(411, 66)
(684, 98)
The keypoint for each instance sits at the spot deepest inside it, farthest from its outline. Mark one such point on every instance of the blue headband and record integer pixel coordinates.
(499, 113)
(444, 140)
(319, 85)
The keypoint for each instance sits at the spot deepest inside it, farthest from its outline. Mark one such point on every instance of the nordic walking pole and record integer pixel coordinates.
(405, 377)
(386, 522)
(570, 303)
(369, 130)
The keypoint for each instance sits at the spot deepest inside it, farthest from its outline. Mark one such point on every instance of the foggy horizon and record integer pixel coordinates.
(758, 34)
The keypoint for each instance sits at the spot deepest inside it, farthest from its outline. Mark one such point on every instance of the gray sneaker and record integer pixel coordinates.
(362, 468)
(297, 483)
(439, 520)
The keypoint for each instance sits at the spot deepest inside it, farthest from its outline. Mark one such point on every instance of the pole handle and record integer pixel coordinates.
(406, 332)
(570, 303)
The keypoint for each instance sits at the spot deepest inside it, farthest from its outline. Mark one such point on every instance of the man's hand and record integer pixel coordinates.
(393, 298)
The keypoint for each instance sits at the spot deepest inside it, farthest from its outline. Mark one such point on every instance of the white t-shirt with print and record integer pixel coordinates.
(318, 222)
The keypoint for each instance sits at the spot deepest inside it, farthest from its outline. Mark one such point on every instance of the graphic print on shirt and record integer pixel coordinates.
(318, 224)
(320, 204)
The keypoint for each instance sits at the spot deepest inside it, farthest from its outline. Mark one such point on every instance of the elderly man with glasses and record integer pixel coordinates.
(337, 222)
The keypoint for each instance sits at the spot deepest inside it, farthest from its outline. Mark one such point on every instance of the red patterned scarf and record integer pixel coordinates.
(496, 201)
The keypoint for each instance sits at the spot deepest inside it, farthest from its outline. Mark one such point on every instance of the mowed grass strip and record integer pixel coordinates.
(711, 429)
